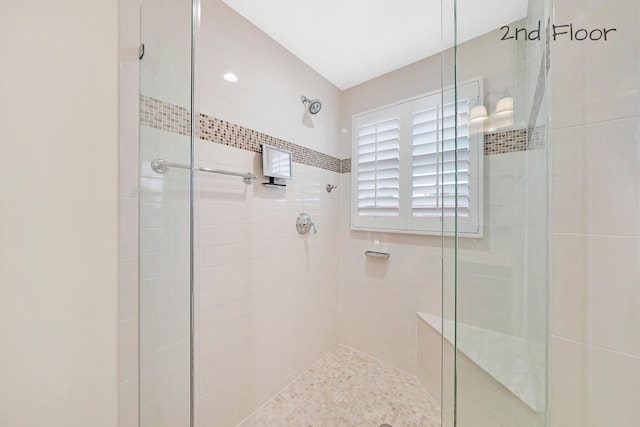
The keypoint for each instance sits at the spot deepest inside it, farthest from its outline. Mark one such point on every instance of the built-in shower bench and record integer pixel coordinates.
(494, 376)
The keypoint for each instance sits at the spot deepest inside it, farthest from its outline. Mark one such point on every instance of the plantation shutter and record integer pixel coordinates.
(417, 161)
(378, 168)
(455, 160)
(437, 165)
(425, 163)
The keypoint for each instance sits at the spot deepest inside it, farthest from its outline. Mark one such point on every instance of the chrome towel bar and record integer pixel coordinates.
(160, 166)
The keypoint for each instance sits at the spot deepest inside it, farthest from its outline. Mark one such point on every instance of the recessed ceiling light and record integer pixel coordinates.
(230, 77)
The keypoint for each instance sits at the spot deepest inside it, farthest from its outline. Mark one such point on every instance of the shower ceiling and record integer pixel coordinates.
(352, 41)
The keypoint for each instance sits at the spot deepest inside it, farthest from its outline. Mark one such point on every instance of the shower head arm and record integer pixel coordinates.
(313, 105)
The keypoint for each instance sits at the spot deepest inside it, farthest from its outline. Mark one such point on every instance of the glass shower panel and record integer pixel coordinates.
(500, 273)
(447, 325)
(165, 214)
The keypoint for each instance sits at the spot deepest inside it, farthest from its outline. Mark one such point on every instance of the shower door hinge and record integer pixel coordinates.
(141, 51)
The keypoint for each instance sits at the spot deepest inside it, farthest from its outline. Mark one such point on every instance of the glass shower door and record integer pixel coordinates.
(495, 278)
(165, 214)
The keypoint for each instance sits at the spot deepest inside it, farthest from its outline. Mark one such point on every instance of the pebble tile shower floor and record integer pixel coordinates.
(349, 389)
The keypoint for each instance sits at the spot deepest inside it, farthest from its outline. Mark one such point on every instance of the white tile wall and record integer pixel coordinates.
(166, 33)
(491, 285)
(596, 211)
(491, 270)
(596, 93)
(156, 222)
(614, 380)
(164, 282)
(268, 298)
(380, 297)
(597, 386)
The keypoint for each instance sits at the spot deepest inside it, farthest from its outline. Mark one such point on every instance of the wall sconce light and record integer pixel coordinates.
(230, 77)
(504, 106)
(501, 116)
(478, 114)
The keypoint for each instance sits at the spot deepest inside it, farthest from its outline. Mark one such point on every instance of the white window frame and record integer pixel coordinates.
(405, 222)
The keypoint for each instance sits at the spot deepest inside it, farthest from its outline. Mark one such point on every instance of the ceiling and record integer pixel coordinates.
(352, 41)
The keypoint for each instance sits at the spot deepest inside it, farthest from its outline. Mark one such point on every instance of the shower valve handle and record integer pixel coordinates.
(304, 224)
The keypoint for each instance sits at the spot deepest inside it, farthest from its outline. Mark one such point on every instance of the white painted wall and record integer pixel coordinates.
(128, 378)
(59, 213)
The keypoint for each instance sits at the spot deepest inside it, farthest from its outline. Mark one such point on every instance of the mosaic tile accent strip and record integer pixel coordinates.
(537, 138)
(509, 141)
(164, 116)
(173, 118)
(223, 132)
(345, 165)
(538, 97)
(349, 389)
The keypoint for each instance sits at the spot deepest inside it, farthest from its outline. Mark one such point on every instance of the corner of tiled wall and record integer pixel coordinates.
(128, 200)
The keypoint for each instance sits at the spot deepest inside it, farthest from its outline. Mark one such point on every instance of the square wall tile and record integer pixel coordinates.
(584, 93)
(614, 293)
(595, 179)
(570, 297)
(569, 383)
(614, 389)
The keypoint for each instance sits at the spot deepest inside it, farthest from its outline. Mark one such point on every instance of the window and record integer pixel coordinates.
(411, 165)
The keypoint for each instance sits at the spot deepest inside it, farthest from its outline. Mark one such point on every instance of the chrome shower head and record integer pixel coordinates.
(313, 105)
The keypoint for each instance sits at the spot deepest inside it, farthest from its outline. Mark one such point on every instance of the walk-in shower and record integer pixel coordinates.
(421, 296)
